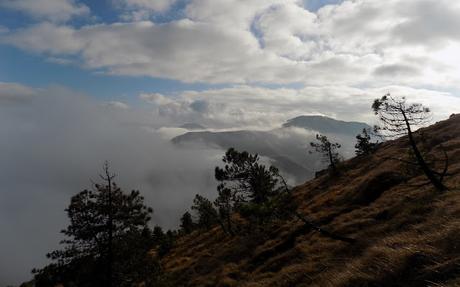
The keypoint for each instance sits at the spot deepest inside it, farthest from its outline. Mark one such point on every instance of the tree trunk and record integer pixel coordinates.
(425, 168)
(229, 224)
(331, 159)
(110, 227)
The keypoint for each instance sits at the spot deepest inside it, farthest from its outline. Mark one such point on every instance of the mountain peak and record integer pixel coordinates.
(325, 124)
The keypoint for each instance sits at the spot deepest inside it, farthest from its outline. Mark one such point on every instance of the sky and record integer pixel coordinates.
(83, 81)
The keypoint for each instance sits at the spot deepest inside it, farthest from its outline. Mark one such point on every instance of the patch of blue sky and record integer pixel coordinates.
(258, 34)
(106, 12)
(315, 5)
(14, 19)
(102, 11)
(176, 12)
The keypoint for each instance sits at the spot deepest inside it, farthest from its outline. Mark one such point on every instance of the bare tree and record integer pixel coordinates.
(108, 178)
(327, 149)
(399, 118)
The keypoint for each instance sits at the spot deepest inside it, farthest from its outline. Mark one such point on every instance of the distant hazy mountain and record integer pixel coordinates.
(287, 154)
(286, 147)
(326, 125)
(192, 126)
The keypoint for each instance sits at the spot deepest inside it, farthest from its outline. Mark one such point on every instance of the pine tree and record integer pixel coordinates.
(363, 144)
(248, 187)
(205, 211)
(399, 118)
(328, 150)
(106, 238)
(187, 225)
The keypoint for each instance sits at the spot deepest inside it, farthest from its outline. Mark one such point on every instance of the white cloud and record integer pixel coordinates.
(263, 108)
(431, 22)
(231, 14)
(355, 43)
(117, 105)
(47, 38)
(296, 38)
(53, 10)
(156, 98)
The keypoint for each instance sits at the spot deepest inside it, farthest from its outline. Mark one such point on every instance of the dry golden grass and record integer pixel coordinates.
(407, 233)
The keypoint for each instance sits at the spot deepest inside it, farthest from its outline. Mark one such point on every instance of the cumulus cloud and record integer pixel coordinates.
(431, 23)
(353, 43)
(46, 38)
(156, 98)
(231, 14)
(52, 10)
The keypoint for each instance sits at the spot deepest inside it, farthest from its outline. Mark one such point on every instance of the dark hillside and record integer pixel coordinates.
(407, 233)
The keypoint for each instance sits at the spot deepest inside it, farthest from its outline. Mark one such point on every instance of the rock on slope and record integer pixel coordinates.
(407, 233)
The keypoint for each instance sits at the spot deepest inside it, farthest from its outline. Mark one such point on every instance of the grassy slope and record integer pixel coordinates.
(408, 234)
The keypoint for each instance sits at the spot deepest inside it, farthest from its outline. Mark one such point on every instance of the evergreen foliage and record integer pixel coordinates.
(107, 240)
(166, 243)
(205, 211)
(363, 145)
(249, 188)
(186, 223)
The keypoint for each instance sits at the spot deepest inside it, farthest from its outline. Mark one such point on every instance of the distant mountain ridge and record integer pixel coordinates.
(288, 149)
(324, 124)
(261, 142)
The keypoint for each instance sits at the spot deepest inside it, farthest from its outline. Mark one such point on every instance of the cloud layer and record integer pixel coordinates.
(358, 42)
(264, 108)
(57, 140)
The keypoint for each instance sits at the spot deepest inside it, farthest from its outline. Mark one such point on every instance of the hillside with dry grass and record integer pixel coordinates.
(407, 233)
